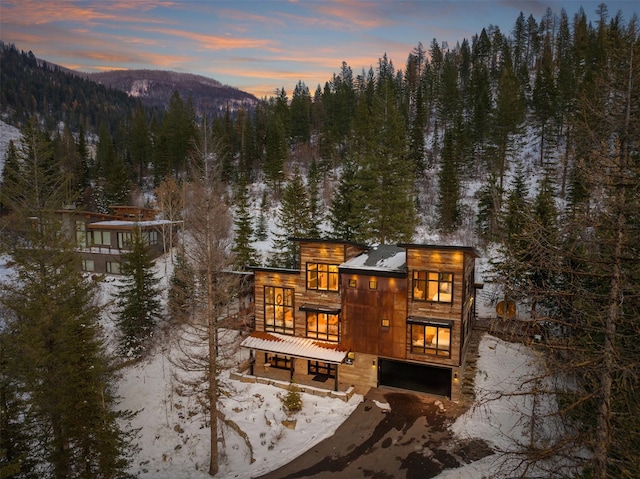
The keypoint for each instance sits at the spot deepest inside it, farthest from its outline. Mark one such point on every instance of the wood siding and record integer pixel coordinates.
(439, 261)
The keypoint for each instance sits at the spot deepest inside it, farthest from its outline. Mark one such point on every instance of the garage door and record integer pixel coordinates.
(417, 377)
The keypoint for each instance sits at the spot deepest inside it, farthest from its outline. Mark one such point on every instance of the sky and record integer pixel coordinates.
(257, 46)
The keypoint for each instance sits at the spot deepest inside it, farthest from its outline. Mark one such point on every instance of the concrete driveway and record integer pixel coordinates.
(409, 439)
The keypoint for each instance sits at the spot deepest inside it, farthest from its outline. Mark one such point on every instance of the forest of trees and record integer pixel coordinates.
(543, 120)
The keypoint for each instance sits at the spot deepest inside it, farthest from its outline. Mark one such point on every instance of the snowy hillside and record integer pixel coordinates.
(7, 133)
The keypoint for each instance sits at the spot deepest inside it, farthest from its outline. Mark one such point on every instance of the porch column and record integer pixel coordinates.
(293, 368)
(335, 386)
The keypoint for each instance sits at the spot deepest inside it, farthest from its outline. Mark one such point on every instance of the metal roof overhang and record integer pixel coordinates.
(295, 346)
(430, 321)
(320, 308)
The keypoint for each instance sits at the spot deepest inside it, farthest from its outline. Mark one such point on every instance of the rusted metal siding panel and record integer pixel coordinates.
(364, 310)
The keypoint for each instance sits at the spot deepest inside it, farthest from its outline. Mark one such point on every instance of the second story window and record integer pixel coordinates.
(124, 240)
(101, 238)
(322, 277)
(433, 286)
(278, 310)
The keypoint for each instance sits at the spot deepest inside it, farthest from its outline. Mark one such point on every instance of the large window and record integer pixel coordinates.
(88, 265)
(278, 310)
(433, 339)
(113, 267)
(432, 286)
(150, 237)
(322, 277)
(323, 326)
(124, 240)
(101, 238)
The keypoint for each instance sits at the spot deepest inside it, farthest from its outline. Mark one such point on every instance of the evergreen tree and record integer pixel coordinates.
(293, 221)
(245, 253)
(489, 201)
(66, 152)
(512, 220)
(137, 298)
(544, 98)
(301, 113)
(343, 217)
(139, 144)
(275, 153)
(10, 175)
(225, 134)
(383, 196)
(449, 182)
(117, 182)
(507, 120)
(315, 201)
(177, 132)
(261, 226)
(248, 155)
(181, 289)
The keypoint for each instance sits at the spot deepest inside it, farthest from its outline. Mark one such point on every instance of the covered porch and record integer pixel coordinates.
(304, 361)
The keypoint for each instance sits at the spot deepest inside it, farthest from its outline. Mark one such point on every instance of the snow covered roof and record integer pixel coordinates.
(295, 346)
(123, 223)
(382, 259)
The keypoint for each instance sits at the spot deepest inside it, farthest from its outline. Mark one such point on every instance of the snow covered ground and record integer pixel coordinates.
(174, 436)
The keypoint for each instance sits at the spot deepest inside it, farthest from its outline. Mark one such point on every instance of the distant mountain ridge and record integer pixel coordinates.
(155, 87)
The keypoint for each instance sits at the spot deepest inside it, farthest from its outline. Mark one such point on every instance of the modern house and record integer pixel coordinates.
(103, 238)
(353, 315)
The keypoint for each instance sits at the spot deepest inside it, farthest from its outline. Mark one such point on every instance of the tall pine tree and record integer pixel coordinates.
(137, 298)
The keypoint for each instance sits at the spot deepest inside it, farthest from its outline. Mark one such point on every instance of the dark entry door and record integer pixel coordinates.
(416, 377)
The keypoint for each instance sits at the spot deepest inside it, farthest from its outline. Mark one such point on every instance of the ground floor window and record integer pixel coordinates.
(277, 361)
(323, 326)
(88, 265)
(113, 267)
(324, 369)
(433, 339)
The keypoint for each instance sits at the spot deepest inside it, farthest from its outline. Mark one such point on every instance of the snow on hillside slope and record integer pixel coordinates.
(7, 133)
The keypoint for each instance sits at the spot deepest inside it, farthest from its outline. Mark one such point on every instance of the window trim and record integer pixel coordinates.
(322, 368)
(277, 361)
(335, 274)
(422, 285)
(110, 267)
(273, 326)
(327, 336)
(427, 351)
